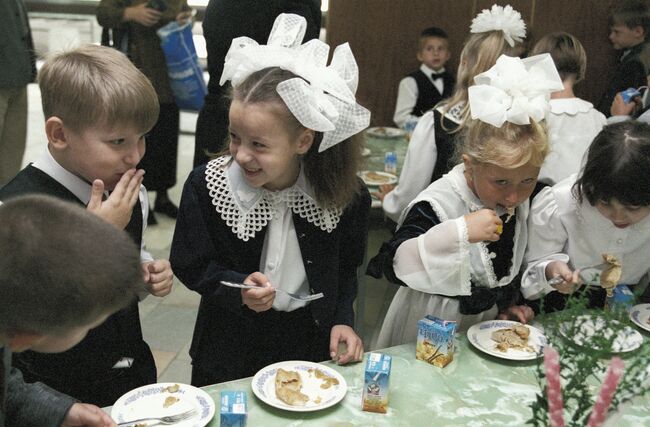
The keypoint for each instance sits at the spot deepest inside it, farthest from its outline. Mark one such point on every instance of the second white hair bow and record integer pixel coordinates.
(514, 90)
(323, 97)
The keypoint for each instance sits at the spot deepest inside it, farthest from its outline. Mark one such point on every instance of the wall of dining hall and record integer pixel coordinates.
(384, 35)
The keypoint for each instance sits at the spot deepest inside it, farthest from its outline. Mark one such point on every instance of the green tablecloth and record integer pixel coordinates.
(474, 390)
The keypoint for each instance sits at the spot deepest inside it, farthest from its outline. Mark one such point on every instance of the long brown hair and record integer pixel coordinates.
(332, 173)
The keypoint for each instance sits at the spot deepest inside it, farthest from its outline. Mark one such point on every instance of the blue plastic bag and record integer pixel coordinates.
(183, 69)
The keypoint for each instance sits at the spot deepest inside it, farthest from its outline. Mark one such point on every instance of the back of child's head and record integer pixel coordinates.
(332, 172)
(431, 32)
(567, 52)
(508, 146)
(480, 52)
(617, 165)
(97, 86)
(61, 267)
(631, 13)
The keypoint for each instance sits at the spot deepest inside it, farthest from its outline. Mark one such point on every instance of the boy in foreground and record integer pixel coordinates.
(98, 107)
(63, 272)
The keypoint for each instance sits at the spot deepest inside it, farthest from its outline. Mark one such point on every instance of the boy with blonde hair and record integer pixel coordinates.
(98, 108)
(49, 302)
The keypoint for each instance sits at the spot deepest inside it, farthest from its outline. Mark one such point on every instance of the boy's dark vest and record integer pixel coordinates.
(428, 94)
(119, 336)
(445, 145)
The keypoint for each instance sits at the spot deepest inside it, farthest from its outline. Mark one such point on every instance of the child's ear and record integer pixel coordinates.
(55, 132)
(639, 32)
(467, 161)
(305, 140)
(21, 341)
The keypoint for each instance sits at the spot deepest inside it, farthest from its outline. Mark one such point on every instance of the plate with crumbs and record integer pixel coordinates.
(626, 338)
(507, 339)
(164, 399)
(377, 178)
(320, 386)
(640, 314)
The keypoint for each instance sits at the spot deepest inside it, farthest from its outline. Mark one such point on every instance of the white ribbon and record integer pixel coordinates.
(514, 90)
(323, 98)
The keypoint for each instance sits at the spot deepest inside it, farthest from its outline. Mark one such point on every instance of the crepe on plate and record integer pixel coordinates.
(611, 275)
(287, 388)
(377, 177)
(515, 337)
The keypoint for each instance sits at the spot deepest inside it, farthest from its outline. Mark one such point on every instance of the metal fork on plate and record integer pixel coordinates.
(291, 295)
(559, 279)
(168, 420)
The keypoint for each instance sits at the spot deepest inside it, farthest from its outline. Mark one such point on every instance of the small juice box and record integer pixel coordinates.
(375, 384)
(233, 408)
(435, 342)
(622, 298)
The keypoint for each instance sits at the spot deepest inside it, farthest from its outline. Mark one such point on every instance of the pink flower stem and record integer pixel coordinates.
(553, 387)
(604, 399)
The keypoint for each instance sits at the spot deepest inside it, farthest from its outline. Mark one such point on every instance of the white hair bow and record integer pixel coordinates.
(323, 97)
(514, 90)
(500, 18)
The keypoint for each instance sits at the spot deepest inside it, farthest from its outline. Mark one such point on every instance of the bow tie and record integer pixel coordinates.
(436, 76)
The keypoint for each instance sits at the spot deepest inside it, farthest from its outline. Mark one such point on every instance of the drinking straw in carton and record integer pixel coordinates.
(233, 408)
(375, 384)
(435, 343)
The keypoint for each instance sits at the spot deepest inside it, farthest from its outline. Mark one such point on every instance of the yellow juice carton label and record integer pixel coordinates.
(435, 342)
(375, 384)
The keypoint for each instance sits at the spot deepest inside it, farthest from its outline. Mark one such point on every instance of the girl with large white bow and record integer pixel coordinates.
(494, 32)
(284, 210)
(460, 244)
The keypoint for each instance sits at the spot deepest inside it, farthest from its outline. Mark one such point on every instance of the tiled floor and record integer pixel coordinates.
(168, 322)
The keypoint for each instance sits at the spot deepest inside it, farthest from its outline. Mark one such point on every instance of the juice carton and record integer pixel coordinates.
(233, 408)
(435, 342)
(622, 298)
(375, 384)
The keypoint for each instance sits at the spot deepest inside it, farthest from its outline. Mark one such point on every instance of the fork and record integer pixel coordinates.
(289, 294)
(559, 279)
(170, 419)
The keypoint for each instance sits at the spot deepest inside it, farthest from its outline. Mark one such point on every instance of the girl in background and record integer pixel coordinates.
(573, 122)
(604, 210)
(284, 210)
(432, 145)
(460, 243)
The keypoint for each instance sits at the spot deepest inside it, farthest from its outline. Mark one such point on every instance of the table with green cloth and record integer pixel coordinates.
(475, 389)
(374, 161)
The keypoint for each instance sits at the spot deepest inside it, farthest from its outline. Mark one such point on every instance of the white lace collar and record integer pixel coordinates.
(247, 209)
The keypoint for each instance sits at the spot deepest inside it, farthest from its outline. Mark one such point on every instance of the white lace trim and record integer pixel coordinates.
(245, 221)
(473, 206)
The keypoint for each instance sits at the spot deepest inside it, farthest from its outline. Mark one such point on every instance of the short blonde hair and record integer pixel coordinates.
(567, 52)
(94, 86)
(509, 146)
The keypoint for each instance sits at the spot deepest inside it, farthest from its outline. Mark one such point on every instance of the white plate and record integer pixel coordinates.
(627, 339)
(640, 314)
(148, 400)
(264, 386)
(386, 132)
(381, 178)
(480, 335)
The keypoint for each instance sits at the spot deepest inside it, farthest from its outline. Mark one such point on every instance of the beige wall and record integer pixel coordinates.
(383, 35)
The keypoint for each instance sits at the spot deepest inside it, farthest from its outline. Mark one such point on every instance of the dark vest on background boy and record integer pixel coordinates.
(428, 94)
(630, 72)
(87, 369)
